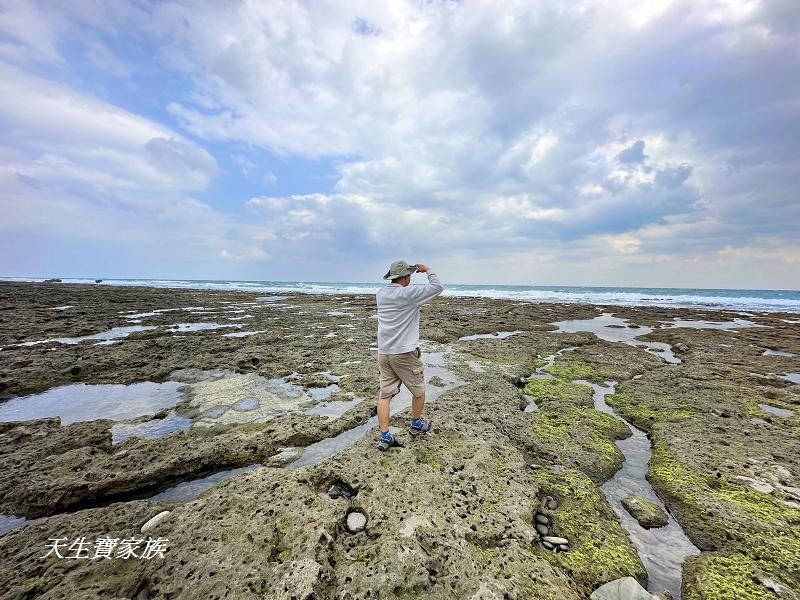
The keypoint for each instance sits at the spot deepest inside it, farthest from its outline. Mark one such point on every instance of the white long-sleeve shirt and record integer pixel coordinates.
(398, 314)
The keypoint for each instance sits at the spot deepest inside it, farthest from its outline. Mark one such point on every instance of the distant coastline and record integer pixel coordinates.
(712, 299)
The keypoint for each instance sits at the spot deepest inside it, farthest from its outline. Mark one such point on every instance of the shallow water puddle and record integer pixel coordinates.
(10, 523)
(271, 298)
(243, 398)
(500, 335)
(191, 490)
(774, 410)
(67, 307)
(724, 325)
(82, 402)
(434, 367)
(770, 352)
(664, 549)
(333, 409)
(322, 393)
(152, 429)
(792, 377)
(111, 334)
(243, 333)
(613, 329)
(186, 327)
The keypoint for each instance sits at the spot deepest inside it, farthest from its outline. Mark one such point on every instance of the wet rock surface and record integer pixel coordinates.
(460, 513)
(645, 512)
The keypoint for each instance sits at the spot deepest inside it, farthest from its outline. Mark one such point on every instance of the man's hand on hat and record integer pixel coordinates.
(422, 268)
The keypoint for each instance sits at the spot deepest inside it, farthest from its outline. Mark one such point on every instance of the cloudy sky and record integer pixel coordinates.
(574, 143)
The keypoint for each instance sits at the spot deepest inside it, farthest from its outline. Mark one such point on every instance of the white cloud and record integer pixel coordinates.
(572, 132)
(69, 135)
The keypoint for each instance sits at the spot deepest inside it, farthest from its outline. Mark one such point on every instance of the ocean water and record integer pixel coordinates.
(731, 299)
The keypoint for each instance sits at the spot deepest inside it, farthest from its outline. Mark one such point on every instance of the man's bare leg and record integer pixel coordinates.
(383, 413)
(417, 403)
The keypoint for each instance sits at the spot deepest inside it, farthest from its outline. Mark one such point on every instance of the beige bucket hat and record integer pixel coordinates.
(399, 268)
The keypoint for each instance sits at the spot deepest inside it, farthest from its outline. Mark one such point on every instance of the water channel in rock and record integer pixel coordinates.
(662, 550)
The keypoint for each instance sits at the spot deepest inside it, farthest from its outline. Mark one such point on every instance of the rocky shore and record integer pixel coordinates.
(502, 500)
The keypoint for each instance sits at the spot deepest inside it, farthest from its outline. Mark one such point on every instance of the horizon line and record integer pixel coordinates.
(2, 277)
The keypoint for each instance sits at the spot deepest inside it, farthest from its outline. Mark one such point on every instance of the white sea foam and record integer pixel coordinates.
(747, 300)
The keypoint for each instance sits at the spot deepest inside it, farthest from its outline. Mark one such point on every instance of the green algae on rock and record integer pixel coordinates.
(545, 390)
(569, 366)
(600, 550)
(645, 512)
(582, 437)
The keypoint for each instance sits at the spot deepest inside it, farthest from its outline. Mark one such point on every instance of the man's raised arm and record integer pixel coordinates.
(420, 294)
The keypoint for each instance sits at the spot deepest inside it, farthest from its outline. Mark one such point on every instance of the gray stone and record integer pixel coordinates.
(626, 588)
(543, 519)
(563, 547)
(548, 545)
(552, 504)
(645, 512)
(556, 541)
(154, 521)
(284, 457)
(356, 522)
(542, 529)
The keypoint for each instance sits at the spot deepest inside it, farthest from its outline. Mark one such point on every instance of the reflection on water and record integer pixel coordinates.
(724, 325)
(186, 327)
(333, 409)
(82, 402)
(10, 523)
(155, 428)
(500, 335)
(190, 490)
(111, 334)
(664, 549)
(613, 329)
(774, 410)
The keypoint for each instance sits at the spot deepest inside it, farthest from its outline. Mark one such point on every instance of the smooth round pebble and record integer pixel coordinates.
(556, 541)
(543, 519)
(552, 504)
(548, 545)
(542, 529)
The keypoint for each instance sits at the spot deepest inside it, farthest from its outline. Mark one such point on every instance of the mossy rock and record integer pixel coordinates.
(583, 437)
(755, 532)
(600, 550)
(569, 366)
(645, 416)
(724, 576)
(546, 390)
(647, 513)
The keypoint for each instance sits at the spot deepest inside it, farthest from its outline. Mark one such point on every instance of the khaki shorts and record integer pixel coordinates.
(405, 368)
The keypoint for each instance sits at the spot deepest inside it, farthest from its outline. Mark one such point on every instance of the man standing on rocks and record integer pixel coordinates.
(399, 358)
